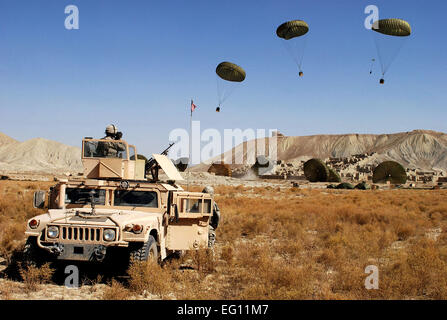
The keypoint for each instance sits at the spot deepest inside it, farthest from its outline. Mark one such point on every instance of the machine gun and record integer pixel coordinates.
(152, 166)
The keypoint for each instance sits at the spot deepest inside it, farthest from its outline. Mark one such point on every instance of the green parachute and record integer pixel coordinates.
(289, 32)
(393, 27)
(394, 32)
(292, 29)
(315, 170)
(232, 74)
(390, 171)
(333, 176)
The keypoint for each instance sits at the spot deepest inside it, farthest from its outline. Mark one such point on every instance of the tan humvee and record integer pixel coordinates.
(114, 207)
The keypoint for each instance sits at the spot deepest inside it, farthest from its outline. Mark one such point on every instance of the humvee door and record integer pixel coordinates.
(190, 213)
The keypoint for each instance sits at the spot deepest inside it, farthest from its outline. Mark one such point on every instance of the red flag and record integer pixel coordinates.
(193, 106)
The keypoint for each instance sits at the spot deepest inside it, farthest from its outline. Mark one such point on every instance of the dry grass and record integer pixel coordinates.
(34, 276)
(291, 243)
(315, 244)
(203, 260)
(16, 206)
(6, 290)
(149, 277)
(116, 291)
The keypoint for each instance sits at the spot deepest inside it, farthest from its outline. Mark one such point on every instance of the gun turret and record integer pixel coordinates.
(153, 167)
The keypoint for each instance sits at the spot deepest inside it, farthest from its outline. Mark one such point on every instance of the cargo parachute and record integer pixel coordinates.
(229, 75)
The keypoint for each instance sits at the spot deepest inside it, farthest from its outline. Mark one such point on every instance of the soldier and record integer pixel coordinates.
(111, 149)
(214, 221)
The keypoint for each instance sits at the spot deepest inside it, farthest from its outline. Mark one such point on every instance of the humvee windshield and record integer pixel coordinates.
(83, 196)
(136, 198)
(105, 149)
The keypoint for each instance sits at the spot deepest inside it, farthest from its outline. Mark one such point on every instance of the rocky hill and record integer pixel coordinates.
(38, 155)
(4, 140)
(422, 149)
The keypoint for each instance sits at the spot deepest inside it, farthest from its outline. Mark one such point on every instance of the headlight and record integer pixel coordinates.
(53, 232)
(109, 234)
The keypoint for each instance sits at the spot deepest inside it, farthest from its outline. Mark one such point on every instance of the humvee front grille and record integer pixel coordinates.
(81, 233)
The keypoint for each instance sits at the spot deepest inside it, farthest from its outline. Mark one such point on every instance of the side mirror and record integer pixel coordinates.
(39, 199)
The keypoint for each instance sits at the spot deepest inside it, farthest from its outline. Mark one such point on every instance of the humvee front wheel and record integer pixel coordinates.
(31, 253)
(147, 251)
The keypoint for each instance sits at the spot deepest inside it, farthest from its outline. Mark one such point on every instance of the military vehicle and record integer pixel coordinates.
(119, 204)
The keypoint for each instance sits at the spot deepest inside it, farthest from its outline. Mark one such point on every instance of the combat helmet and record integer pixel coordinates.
(111, 130)
(209, 190)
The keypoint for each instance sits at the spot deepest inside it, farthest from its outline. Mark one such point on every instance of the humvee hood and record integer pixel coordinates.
(103, 217)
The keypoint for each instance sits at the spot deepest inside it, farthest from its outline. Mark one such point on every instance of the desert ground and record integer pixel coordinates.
(274, 242)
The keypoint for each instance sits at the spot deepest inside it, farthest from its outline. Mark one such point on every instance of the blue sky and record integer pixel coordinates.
(138, 63)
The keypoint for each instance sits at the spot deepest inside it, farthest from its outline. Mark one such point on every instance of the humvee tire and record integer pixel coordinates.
(31, 252)
(145, 251)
